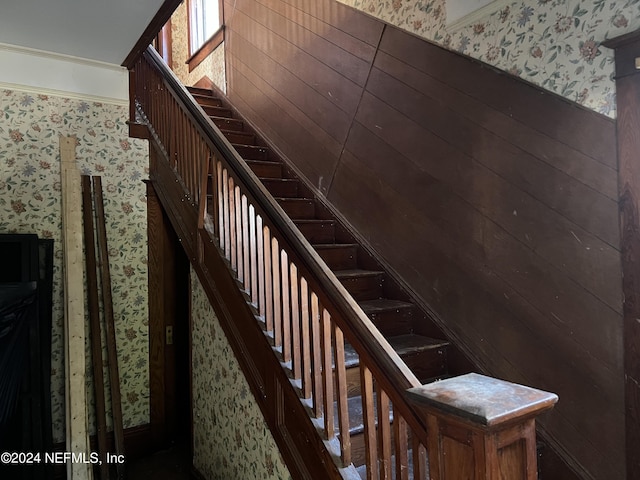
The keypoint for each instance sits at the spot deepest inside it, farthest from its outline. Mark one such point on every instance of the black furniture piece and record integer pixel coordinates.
(26, 277)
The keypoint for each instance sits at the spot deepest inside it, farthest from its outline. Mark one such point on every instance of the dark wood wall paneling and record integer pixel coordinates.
(298, 70)
(627, 52)
(494, 201)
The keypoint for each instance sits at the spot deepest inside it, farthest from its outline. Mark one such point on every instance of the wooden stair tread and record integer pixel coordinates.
(357, 273)
(414, 343)
(311, 221)
(406, 344)
(262, 162)
(294, 199)
(327, 246)
(200, 91)
(380, 305)
(252, 147)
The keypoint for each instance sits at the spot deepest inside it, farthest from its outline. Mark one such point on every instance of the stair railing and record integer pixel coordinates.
(305, 312)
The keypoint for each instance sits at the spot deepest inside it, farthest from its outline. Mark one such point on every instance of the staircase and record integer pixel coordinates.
(375, 292)
(338, 356)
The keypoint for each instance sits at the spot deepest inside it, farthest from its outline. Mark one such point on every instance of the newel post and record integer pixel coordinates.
(481, 428)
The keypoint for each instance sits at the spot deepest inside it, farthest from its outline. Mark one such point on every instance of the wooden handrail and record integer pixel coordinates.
(304, 311)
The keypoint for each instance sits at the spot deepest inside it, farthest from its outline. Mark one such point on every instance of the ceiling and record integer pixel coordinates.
(102, 30)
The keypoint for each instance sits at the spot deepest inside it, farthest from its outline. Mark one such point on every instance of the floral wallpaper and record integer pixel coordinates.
(230, 436)
(30, 202)
(555, 44)
(212, 66)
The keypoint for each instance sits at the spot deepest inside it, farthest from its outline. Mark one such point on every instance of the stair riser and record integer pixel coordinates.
(266, 170)
(282, 188)
(241, 138)
(207, 101)
(429, 364)
(364, 288)
(298, 209)
(394, 322)
(340, 258)
(252, 153)
(318, 233)
(217, 111)
(228, 124)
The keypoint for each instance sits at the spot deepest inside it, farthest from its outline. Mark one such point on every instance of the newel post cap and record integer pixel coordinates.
(482, 400)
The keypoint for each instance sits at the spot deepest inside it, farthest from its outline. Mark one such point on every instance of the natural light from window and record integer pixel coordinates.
(204, 21)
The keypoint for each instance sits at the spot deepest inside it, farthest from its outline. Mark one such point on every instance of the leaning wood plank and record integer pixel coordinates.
(75, 366)
(94, 319)
(112, 351)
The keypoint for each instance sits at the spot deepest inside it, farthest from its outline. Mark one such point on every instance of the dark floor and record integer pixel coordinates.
(171, 464)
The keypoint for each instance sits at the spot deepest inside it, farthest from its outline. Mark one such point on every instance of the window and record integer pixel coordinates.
(204, 22)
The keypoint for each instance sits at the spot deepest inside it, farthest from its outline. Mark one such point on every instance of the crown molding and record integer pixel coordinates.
(60, 57)
(28, 69)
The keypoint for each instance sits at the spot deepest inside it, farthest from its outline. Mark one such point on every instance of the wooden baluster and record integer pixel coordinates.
(233, 243)
(295, 322)
(420, 468)
(213, 186)
(174, 119)
(253, 246)
(268, 280)
(239, 236)
(341, 387)
(384, 434)
(260, 265)
(191, 159)
(183, 160)
(286, 307)
(277, 299)
(202, 191)
(401, 446)
(246, 247)
(369, 420)
(194, 159)
(220, 204)
(187, 158)
(180, 144)
(316, 356)
(327, 373)
(172, 125)
(305, 338)
(226, 228)
(187, 161)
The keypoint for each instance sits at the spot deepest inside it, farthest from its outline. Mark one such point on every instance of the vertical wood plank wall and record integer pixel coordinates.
(494, 201)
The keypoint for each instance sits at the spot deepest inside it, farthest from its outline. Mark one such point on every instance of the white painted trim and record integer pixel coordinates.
(476, 15)
(59, 56)
(33, 70)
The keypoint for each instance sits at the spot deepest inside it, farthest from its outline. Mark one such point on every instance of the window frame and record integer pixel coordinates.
(209, 45)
